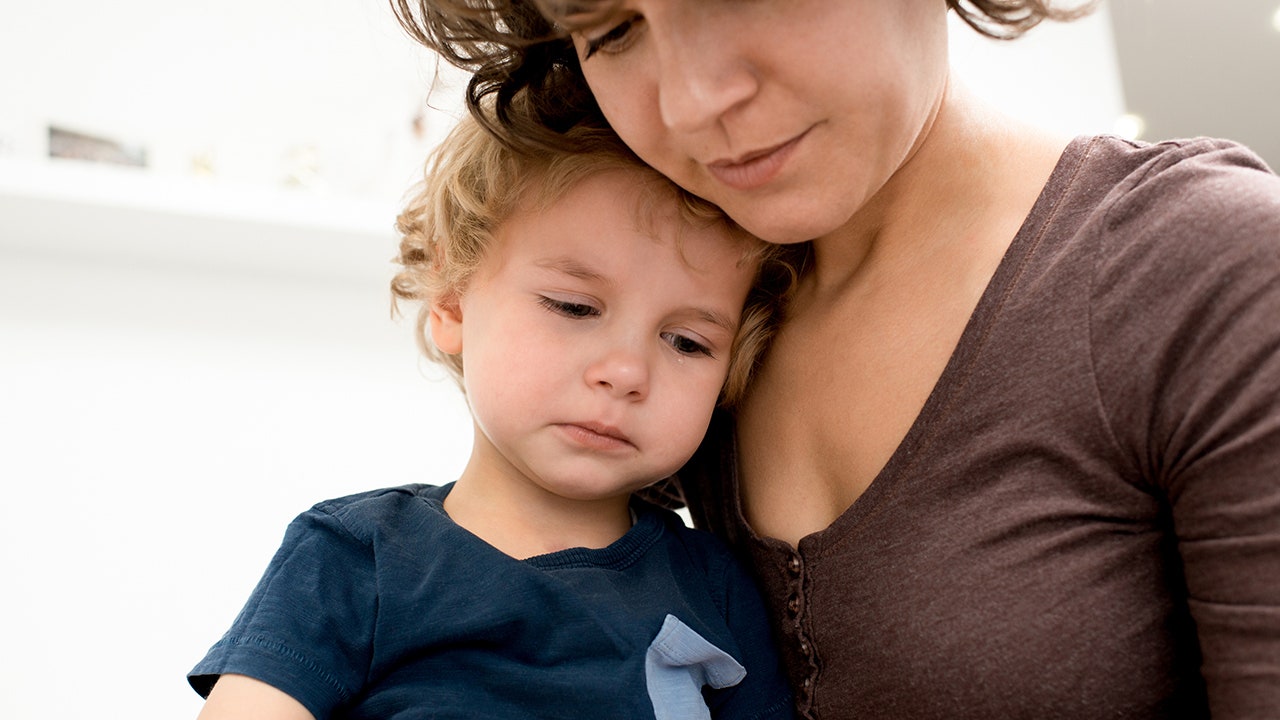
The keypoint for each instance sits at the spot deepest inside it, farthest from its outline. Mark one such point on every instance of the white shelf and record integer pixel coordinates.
(108, 213)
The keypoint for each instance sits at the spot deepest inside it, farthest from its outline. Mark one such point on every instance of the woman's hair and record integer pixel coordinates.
(474, 183)
(520, 49)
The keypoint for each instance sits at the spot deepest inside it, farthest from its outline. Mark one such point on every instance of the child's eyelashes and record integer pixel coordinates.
(568, 308)
(686, 345)
(682, 342)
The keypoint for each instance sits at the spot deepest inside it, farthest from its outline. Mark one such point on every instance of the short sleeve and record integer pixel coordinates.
(307, 627)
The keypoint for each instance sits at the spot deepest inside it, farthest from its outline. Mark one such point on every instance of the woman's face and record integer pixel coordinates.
(789, 114)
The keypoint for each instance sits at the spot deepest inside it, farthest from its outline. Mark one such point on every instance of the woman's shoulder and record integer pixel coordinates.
(1168, 209)
(1201, 180)
(1183, 290)
(1147, 160)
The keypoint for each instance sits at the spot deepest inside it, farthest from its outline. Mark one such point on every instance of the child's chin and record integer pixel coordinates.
(588, 491)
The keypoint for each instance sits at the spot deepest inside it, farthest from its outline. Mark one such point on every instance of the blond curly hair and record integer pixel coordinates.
(474, 182)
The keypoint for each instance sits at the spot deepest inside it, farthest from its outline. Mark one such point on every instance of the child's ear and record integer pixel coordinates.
(445, 319)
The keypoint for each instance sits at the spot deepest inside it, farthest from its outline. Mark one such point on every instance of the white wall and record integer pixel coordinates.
(1061, 76)
(188, 361)
(160, 427)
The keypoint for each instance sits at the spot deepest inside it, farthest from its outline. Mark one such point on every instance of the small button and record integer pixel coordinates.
(808, 683)
(804, 647)
(794, 604)
(794, 564)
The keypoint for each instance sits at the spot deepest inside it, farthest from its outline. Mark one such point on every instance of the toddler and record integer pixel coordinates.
(594, 315)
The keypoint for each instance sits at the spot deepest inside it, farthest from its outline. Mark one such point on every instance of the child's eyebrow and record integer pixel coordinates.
(717, 319)
(577, 269)
(571, 267)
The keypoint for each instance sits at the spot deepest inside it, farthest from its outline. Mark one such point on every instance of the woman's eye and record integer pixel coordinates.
(686, 346)
(568, 309)
(615, 40)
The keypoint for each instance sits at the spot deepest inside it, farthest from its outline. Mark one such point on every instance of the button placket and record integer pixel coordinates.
(796, 600)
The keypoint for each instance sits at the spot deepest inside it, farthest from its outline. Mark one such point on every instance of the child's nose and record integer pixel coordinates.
(622, 372)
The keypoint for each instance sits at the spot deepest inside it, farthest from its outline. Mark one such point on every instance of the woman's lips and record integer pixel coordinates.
(755, 168)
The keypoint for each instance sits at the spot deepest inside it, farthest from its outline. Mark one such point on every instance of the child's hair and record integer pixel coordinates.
(474, 183)
(525, 68)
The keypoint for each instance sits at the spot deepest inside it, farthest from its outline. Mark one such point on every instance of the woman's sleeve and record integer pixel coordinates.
(307, 627)
(1188, 350)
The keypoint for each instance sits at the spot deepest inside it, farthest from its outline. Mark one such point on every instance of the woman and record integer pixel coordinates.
(1016, 451)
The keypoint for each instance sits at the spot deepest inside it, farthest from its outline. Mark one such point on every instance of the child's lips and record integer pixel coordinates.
(598, 436)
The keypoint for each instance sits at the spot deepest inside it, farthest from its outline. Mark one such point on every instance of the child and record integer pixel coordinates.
(600, 314)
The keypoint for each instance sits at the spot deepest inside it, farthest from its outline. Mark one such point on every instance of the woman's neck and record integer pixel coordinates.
(964, 191)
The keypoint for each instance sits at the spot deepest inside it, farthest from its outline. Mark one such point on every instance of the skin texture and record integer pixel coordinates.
(695, 88)
(239, 697)
(594, 349)
(910, 189)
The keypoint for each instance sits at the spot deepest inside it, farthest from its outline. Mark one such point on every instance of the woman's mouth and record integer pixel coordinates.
(756, 168)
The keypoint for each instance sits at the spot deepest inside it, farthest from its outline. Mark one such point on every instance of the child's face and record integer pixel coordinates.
(594, 350)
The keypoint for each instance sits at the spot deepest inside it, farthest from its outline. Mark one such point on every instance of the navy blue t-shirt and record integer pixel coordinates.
(378, 605)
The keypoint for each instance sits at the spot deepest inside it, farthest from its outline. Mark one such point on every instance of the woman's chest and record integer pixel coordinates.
(997, 582)
(834, 399)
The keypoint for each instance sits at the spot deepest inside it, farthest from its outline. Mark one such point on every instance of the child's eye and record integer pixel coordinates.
(567, 308)
(685, 345)
(615, 39)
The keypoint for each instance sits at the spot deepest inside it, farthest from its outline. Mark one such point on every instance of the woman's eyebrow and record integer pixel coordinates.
(577, 17)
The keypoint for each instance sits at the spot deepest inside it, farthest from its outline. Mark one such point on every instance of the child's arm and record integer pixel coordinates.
(240, 697)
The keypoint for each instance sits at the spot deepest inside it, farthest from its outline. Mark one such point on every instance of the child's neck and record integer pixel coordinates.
(529, 521)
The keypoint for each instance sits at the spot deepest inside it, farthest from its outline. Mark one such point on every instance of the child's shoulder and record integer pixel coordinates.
(702, 547)
(383, 511)
(383, 497)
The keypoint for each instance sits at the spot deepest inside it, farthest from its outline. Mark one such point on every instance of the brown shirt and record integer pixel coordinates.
(1084, 520)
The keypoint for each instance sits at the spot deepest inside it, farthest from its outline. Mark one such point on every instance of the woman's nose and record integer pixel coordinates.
(701, 76)
(622, 372)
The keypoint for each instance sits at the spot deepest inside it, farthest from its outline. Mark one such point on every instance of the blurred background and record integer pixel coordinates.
(195, 335)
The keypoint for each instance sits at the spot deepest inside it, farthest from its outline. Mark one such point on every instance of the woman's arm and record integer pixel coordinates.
(1188, 361)
(240, 697)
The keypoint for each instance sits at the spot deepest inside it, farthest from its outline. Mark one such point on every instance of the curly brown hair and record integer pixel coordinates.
(521, 49)
(473, 183)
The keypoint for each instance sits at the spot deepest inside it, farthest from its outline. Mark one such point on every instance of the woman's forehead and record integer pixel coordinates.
(575, 15)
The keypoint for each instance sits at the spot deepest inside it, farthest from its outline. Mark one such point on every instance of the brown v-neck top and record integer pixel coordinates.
(1084, 520)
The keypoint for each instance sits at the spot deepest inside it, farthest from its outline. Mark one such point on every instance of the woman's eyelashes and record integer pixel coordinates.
(614, 40)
